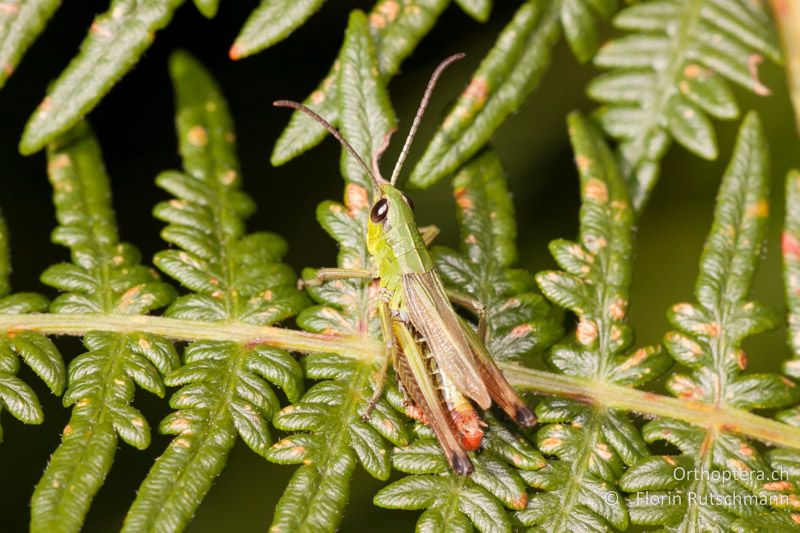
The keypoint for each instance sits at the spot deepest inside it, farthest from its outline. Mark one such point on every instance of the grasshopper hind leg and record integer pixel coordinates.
(414, 374)
(462, 466)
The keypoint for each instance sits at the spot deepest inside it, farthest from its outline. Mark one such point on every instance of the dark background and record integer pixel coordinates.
(135, 127)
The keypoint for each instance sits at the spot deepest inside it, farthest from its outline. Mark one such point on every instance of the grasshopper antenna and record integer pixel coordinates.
(333, 131)
(426, 97)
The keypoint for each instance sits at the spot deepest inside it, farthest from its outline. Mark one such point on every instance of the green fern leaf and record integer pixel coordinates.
(782, 489)
(37, 351)
(334, 436)
(506, 77)
(708, 340)
(785, 523)
(790, 248)
(579, 18)
(116, 41)
(779, 497)
(361, 92)
(451, 502)
(271, 22)
(233, 278)
(21, 21)
(207, 7)
(669, 74)
(395, 32)
(518, 325)
(791, 267)
(517, 318)
(104, 277)
(591, 445)
(477, 9)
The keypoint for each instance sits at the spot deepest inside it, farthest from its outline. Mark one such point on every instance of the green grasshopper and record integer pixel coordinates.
(438, 357)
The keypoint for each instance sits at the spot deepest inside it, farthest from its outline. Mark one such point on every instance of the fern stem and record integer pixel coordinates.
(650, 404)
(612, 396)
(787, 17)
(190, 330)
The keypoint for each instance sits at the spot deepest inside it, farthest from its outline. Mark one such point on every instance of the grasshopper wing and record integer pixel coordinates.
(499, 389)
(433, 316)
(414, 374)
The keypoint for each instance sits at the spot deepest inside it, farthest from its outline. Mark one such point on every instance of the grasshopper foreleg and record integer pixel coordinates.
(428, 234)
(326, 274)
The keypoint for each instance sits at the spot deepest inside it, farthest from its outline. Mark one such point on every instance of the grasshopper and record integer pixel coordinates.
(442, 363)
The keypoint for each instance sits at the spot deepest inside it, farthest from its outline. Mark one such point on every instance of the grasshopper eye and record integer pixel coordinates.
(379, 211)
(409, 201)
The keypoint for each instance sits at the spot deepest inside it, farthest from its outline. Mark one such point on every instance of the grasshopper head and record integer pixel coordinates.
(392, 209)
(392, 236)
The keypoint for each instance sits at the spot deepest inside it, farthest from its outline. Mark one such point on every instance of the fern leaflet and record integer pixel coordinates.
(234, 277)
(116, 41)
(37, 351)
(105, 276)
(395, 33)
(708, 340)
(670, 73)
(21, 21)
(333, 434)
(507, 76)
(591, 444)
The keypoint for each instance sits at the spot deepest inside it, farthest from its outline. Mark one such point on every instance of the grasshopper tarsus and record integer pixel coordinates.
(462, 466)
(525, 417)
(367, 414)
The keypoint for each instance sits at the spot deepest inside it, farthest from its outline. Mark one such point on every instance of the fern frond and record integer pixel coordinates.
(116, 41)
(452, 502)
(790, 248)
(333, 435)
(591, 444)
(580, 20)
(518, 325)
(21, 21)
(105, 276)
(233, 277)
(37, 351)
(271, 22)
(517, 318)
(779, 498)
(477, 9)
(787, 20)
(783, 491)
(395, 32)
(708, 341)
(207, 7)
(669, 74)
(785, 523)
(506, 77)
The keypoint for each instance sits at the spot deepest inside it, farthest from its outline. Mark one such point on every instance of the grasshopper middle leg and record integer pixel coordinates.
(474, 305)
(390, 349)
